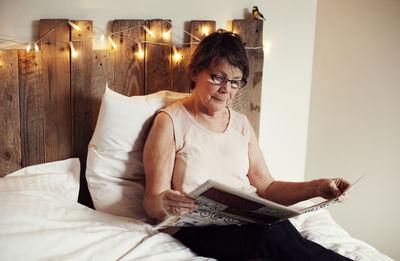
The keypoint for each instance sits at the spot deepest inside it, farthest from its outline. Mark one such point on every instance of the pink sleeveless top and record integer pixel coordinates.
(201, 154)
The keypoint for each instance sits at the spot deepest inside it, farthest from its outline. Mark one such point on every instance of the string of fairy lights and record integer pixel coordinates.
(166, 35)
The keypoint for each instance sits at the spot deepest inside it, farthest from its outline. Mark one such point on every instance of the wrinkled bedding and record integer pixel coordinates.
(320, 227)
(40, 219)
(44, 226)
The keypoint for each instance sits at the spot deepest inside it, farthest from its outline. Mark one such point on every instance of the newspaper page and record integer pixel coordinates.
(222, 205)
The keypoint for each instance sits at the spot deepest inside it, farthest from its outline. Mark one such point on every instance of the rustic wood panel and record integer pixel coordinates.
(52, 102)
(103, 73)
(56, 89)
(31, 107)
(158, 57)
(81, 90)
(10, 141)
(128, 68)
(196, 29)
(180, 81)
(248, 99)
(82, 87)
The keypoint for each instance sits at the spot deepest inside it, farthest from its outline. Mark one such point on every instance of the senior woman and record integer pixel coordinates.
(201, 137)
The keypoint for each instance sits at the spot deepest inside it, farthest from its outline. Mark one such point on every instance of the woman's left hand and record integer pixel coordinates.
(331, 188)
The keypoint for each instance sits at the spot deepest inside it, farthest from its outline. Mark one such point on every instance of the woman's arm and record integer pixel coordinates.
(287, 193)
(158, 160)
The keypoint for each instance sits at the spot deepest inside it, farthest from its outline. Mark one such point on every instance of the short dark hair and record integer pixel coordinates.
(217, 46)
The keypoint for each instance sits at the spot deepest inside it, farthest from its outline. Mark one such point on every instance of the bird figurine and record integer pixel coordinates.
(257, 14)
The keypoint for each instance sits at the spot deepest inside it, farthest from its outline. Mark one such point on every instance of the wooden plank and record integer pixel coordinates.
(248, 99)
(10, 140)
(103, 73)
(31, 107)
(196, 29)
(158, 57)
(82, 88)
(128, 68)
(180, 81)
(56, 89)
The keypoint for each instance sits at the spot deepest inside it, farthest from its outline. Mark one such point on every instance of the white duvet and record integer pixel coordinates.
(320, 227)
(40, 220)
(44, 226)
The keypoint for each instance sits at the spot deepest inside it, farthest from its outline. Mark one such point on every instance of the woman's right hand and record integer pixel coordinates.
(168, 203)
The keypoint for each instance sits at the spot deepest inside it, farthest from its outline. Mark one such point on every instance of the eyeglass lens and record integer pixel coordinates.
(221, 80)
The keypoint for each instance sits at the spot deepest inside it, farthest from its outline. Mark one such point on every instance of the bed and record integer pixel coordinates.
(40, 217)
(71, 155)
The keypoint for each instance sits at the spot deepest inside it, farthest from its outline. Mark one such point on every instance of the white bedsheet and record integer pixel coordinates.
(320, 227)
(45, 226)
(40, 220)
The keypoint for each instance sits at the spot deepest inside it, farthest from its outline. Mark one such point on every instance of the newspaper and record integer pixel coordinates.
(220, 205)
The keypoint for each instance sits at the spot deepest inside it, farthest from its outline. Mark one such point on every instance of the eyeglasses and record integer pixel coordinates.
(221, 80)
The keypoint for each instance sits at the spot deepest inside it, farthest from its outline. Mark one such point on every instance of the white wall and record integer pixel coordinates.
(355, 114)
(289, 35)
(288, 38)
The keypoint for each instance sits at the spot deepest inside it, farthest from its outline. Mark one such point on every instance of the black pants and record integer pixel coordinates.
(279, 241)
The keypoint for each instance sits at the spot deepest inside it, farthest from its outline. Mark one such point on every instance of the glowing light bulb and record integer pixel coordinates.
(176, 57)
(112, 43)
(102, 38)
(205, 30)
(148, 31)
(74, 53)
(74, 25)
(140, 53)
(266, 47)
(36, 47)
(28, 48)
(167, 34)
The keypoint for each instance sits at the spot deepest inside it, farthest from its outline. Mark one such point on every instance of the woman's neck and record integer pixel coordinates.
(216, 121)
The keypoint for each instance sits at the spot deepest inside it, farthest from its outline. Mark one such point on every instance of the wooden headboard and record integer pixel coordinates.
(50, 100)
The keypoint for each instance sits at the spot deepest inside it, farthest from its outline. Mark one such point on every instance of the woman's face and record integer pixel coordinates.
(214, 98)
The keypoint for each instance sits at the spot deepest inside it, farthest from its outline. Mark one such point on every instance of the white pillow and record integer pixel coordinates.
(114, 170)
(59, 177)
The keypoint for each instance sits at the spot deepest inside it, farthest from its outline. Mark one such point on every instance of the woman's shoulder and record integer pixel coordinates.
(173, 107)
(177, 115)
(239, 122)
(238, 116)
(162, 120)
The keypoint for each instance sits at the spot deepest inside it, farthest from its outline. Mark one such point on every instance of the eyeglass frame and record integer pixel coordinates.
(225, 80)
